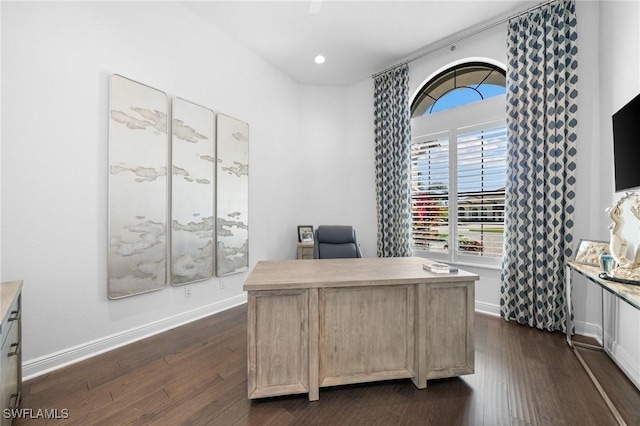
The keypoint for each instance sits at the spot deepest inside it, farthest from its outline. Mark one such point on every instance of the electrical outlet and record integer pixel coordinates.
(187, 292)
(223, 284)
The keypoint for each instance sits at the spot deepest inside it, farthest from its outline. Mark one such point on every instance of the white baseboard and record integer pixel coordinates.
(588, 330)
(626, 362)
(45, 364)
(488, 308)
(619, 355)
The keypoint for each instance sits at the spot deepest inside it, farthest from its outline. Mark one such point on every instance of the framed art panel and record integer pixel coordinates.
(589, 251)
(232, 195)
(138, 152)
(193, 189)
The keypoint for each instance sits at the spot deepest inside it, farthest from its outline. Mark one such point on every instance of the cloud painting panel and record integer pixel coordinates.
(193, 191)
(232, 206)
(138, 146)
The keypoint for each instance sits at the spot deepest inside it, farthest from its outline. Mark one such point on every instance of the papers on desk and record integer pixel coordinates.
(439, 268)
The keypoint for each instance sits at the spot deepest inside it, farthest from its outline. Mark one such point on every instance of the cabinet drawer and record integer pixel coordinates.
(9, 367)
(11, 320)
(307, 252)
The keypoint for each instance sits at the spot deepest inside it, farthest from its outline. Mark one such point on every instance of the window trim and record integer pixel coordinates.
(453, 68)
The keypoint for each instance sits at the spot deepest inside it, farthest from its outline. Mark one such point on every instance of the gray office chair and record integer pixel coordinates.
(335, 242)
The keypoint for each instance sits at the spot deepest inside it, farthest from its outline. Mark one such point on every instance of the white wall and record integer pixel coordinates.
(589, 204)
(1, 147)
(360, 144)
(336, 174)
(57, 58)
(619, 82)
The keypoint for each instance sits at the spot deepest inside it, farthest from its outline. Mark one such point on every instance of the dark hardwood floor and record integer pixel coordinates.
(196, 374)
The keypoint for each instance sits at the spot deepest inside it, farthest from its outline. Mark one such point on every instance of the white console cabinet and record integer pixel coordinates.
(11, 338)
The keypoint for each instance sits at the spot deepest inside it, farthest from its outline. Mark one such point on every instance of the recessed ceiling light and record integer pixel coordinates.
(319, 59)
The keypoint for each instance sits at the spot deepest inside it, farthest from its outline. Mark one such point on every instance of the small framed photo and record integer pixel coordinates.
(305, 233)
(589, 251)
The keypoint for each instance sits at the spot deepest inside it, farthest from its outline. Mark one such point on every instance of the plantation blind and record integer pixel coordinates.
(430, 185)
(458, 190)
(480, 188)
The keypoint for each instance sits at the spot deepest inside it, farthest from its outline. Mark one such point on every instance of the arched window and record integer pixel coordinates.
(459, 85)
(458, 164)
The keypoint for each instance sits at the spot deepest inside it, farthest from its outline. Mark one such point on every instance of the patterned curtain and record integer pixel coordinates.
(541, 156)
(393, 139)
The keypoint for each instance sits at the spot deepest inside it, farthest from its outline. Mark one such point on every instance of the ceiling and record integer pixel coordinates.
(358, 38)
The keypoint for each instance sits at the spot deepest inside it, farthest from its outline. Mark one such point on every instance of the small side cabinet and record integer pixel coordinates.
(11, 338)
(305, 250)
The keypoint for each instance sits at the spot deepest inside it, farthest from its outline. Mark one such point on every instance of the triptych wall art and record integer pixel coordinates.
(192, 192)
(206, 193)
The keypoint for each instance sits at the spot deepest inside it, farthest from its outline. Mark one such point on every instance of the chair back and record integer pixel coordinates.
(335, 242)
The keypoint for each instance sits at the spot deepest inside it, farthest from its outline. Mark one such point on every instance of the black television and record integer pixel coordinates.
(626, 145)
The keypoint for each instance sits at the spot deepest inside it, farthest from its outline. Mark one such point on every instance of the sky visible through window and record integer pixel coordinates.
(465, 95)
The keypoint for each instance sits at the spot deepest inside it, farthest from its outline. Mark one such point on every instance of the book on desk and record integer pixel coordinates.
(439, 268)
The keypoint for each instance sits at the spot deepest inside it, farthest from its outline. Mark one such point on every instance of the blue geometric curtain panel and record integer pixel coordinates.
(541, 156)
(392, 152)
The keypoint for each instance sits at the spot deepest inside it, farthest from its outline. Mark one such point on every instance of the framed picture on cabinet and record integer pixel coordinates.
(589, 251)
(305, 233)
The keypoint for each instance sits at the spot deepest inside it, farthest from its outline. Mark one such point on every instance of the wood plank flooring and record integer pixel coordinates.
(196, 375)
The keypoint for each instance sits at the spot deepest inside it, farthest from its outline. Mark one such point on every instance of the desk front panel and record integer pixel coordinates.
(450, 328)
(366, 334)
(277, 336)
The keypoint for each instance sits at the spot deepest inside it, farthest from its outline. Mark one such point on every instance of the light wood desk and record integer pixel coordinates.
(323, 323)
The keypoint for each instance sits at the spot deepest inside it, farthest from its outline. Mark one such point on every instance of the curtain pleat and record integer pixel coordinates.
(392, 154)
(541, 156)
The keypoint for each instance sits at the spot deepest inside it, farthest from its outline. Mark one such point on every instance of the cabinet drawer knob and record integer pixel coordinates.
(14, 316)
(16, 400)
(15, 351)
